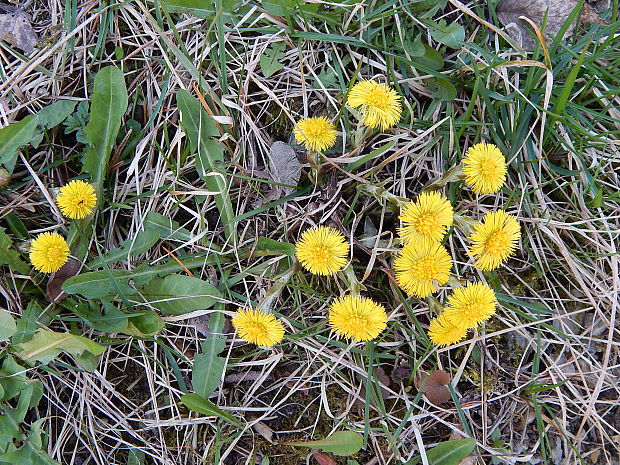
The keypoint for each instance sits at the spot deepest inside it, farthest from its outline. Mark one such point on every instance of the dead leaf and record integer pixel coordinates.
(509, 11)
(16, 29)
(434, 386)
(54, 285)
(284, 168)
(323, 459)
(265, 431)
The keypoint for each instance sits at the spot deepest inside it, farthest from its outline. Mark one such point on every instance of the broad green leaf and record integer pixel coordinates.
(206, 407)
(13, 380)
(270, 60)
(98, 284)
(51, 116)
(177, 294)
(343, 443)
(108, 106)
(431, 59)
(447, 453)
(200, 128)
(111, 320)
(31, 451)
(8, 327)
(144, 324)
(209, 366)
(166, 227)
(46, 345)
(10, 257)
(28, 323)
(266, 246)
(135, 457)
(451, 34)
(15, 136)
(442, 89)
(140, 244)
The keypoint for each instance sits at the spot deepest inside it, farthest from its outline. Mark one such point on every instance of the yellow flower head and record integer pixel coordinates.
(357, 318)
(316, 134)
(426, 218)
(470, 305)
(258, 327)
(322, 250)
(49, 252)
(444, 333)
(379, 104)
(494, 240)
(484, 168)
(420, 265)
(76, 199)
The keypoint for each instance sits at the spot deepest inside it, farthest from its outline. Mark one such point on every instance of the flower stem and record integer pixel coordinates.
(349, 277)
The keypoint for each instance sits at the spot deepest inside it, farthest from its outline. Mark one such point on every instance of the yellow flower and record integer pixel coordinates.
(49, 252)
(357, 318)
(470, 305)
(322, 250)
(379, 104)
(76, 199)
(484, 168)
(494, 240)
(444, 333)
(316, 134)
(420, 265)
(258, 327)
(426, 218)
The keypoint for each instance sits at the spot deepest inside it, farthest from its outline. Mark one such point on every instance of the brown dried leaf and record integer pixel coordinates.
(265, 431)
(16, 29)
(284, 168)
(434, 386)
(509, 11)
(54, 285)
(323, 459)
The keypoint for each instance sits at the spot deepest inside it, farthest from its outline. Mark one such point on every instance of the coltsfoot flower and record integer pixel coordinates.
(426, 218)
(316, 134)
(494, 240)
(379, 104)
(470, 305)
(77, 199)
(322, 250)
(484, 168)
(357, 318)
(49, 252)
(420, 265)
(258, 327)
(443, 333)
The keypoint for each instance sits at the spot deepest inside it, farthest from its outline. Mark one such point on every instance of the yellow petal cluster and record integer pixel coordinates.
(379, 104)
(258, 327)
(484, 168)
(426, 218)
(49, 252)
(316, 134)
(357, 318)
(494, 240)
(470, 305)
(77, 199)
(421, 266)
(322, 250)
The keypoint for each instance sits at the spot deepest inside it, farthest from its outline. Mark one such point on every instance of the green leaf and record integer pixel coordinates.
(112, 320)
(431, 59)
(177, 294)
(442, 89)
(13, 380)
(145, 324)
(28, 323)
(200, 128)
(51, 116)
(7, 325)
(447, 453)
(343, 443)
(208, 366)
(166, 227)
(266, 246)
(451, 34)
(98, 284)
(206, 407)
(199, 8)
(135, 457)
(269, 61)
(46, 345)
(31, 452)
(15, 136)
(11, 257)
(140, 244)
(108, 106)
